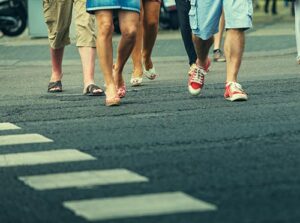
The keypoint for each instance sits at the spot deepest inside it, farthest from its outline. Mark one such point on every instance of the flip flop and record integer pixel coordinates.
(91, 90)
(54, 87)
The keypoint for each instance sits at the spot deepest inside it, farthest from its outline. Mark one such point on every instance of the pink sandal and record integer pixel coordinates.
(122, 91)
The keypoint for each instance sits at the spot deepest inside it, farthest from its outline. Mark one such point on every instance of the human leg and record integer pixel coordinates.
(150, 24)
(234, 48)
(85, 35)
(274, 7)
(58, 19)
(104, 20)
(234, 45)
(218, 54)
(203, 30)
(267, 6)
(136, 55)
(129, 21)
(297, 28)
(183, 8)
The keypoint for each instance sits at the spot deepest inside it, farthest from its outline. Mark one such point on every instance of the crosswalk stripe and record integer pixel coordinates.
(23, 139)
(8, 126)
(44, 157)
(82, 179)
(137, 206)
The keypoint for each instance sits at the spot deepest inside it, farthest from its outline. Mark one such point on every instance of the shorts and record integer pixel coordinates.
(205, 16)
(58, 17)
(130, 5)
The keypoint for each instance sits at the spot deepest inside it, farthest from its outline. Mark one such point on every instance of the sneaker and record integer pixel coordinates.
(235, 92)
(206, 67)
(196, 79)
(219, 56)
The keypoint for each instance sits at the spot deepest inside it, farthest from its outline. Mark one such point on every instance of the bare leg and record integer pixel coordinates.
(87, 55)
(129, 25)
(218, 36)
(151, 20)
(137, 51)
(202, 48)
(56, 60)
(234, 48)
(105, 50)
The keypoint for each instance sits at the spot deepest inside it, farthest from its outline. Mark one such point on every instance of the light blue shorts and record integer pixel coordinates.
(95, 5)
(205, 16)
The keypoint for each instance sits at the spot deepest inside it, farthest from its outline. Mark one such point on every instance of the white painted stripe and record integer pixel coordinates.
(44, 157)
(23, 139)
(137, 206)
(82, 179)
(8, 126)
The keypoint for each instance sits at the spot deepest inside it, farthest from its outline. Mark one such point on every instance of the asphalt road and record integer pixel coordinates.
(242, 158)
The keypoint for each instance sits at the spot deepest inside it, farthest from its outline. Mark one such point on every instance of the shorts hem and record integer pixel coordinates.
(93, 9)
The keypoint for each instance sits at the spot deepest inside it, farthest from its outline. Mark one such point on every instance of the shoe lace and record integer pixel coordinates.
(197, 75)
(236, 87)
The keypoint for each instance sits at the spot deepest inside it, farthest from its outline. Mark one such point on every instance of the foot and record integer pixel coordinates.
(119, 82)
(151, 74)
(112, 98)
(196, 79)
(93, 90)
(136, 81)
(149, 70)
(136, 78)
(55, 84)
(219, 56)
(235, 92)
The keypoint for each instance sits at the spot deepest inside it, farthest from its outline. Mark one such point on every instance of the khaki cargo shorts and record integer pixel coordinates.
(58, 16)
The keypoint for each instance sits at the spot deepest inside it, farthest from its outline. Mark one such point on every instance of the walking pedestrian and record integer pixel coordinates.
(218, 53)
(204, 21)
(147, 33)
(128, 13)
(58, 16)
(274, 7)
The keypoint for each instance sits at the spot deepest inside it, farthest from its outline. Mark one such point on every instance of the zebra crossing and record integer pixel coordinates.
(95, 209)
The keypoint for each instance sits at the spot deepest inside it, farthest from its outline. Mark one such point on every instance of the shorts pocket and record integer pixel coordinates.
(193, 18)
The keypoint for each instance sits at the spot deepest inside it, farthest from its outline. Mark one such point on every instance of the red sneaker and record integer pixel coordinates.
(196, 79)
(235, 92)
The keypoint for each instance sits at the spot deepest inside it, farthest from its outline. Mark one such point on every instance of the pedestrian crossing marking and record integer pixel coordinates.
(82, 179)
(8, 126)
(23, 139)
(44, 157)
(137, 206)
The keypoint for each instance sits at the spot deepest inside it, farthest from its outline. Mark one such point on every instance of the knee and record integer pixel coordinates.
(151, 24)
(105, 29)
(130, 33)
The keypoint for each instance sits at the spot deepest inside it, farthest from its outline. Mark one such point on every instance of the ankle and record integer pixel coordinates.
(56, 77)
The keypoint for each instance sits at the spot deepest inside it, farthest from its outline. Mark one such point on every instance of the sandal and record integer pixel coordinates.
(91, 90)
(136, 81)
(54, 87)
(122, 91)
(151, 73)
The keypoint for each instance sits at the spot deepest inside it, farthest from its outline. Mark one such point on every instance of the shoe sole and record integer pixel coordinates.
(237, 97)
(193, 91)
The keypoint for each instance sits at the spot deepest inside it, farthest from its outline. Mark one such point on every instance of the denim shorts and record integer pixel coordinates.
(205, 16)
(95, 5)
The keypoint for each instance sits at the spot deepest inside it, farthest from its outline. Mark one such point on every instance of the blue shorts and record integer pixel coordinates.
(95, 5)
(205, 16)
